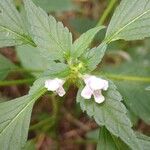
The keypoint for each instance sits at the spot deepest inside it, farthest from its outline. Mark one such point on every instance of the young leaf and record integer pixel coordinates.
(94, 56)
(108, 141)
(51, 36)
(5, 67)
(130, 21)
(84, 41)
(12, 30)
(111, 114)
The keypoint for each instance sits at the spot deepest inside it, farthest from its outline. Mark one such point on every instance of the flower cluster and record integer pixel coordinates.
(93, 86)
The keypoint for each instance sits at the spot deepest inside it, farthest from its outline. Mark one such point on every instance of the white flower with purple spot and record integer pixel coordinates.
(55, 85)
(94, 86)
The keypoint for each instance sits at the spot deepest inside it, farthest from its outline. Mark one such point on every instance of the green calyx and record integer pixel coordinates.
(76, 70)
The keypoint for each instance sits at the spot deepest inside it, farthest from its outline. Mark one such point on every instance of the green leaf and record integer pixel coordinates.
(15, 118)
(144, 140)
(38, 65)
(111, 114)
(32, 60)
(108, 141)
(49, 35)
(136, 98)
(134, 76)
(30, 145)
(93, 134)
(57, 70)
(5, 67)
(14, 122)
(130, 21)
(12, 29)
(94, 56)
(57, 5)
(84, 41)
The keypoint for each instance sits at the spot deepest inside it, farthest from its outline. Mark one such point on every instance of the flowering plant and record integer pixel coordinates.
(64, 63)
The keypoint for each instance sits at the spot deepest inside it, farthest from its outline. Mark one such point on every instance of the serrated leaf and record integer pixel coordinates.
(84, 41)
(12, 29)
(5, 67)
(136, 98)
(51, 36)
(15, 118)
(14, 122)
(94, 56)
(134, 76)
(108, 141)
(131, 21)
(111, 114)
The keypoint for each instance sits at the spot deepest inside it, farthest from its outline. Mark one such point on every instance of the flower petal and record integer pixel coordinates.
(60, 91)
(52, 85)
(86, 92)
(99, 98)
(105, 85)
(97, 83)
(60, 81)
(87, 78)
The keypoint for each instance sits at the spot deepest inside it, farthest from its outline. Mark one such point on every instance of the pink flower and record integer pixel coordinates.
(94, 86)
(55, 85)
